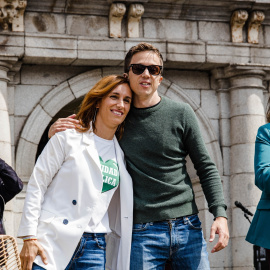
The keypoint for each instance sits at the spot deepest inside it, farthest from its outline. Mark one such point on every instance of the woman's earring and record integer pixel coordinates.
(95, 114)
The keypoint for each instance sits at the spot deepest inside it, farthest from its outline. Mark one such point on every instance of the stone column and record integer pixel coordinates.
(5, 138)
(223, 93)
(246, 115)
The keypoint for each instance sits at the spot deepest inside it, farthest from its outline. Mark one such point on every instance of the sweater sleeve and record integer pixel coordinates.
(205, 167)
(11, 184)
(262, 159)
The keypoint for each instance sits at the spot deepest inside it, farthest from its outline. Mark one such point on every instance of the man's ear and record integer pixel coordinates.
(160, 79)
(125, 75)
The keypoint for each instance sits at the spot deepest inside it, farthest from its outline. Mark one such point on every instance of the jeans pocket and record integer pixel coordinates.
(194, 222)
(139, 227)
(37, 267)
(101, 243)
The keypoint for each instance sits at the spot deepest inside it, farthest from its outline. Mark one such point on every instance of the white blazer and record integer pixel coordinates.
(67, 171)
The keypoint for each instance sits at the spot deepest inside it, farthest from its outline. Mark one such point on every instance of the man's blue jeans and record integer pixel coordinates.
(180, 240)
(89, 254)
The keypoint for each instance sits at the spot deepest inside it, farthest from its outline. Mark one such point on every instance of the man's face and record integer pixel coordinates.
(144, 85)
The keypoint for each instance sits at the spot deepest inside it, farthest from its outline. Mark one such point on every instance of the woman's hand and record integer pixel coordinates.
(30, 250)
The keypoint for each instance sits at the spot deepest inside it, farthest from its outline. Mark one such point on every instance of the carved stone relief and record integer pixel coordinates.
(117, 12)
(134, 16)
(11, 14)
(238, 20)
(255, 21)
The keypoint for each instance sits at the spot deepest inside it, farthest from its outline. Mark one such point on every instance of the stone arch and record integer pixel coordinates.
(75, 88)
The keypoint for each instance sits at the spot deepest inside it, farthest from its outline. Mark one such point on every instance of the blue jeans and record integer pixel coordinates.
(178, 240)
(89, 254)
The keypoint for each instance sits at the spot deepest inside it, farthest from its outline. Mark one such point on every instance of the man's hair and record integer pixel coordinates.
(141, 47)
(88, 108)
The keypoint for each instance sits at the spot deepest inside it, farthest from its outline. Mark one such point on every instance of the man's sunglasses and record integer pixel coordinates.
(138, 69)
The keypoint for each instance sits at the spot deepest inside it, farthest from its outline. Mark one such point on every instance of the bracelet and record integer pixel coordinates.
(28, 238)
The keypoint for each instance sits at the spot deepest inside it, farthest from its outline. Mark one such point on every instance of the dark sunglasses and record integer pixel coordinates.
(138, 69)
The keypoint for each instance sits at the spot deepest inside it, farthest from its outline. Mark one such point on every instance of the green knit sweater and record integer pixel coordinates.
(156, 142)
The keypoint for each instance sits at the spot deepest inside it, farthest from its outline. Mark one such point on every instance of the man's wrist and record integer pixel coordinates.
(219, 211)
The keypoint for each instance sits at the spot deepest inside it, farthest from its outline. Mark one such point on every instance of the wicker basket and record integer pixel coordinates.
(9, 255)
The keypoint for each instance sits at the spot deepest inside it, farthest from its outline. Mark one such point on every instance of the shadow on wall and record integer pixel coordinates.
(69, 109)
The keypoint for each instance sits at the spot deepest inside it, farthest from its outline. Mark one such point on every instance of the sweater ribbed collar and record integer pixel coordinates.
(148, 109)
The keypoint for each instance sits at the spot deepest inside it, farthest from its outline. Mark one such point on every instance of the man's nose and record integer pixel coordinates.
(146, 73)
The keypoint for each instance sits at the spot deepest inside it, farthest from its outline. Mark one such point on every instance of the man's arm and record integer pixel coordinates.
(62, 124)
(209, 179)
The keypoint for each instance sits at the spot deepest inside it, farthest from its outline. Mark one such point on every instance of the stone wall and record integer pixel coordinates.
(63, 49)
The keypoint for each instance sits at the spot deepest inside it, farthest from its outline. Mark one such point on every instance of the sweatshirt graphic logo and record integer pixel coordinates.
(110, 174)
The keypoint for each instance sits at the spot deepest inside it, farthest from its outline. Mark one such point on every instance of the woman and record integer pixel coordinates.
(259, 233)
(73, 199)
(10, 185)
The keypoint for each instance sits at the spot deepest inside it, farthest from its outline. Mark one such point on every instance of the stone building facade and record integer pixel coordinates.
(216, 58)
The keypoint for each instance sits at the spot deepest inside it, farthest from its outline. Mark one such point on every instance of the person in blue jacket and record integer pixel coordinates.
(259, 232)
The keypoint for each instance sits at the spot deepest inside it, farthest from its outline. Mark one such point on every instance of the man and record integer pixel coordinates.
(159, 134)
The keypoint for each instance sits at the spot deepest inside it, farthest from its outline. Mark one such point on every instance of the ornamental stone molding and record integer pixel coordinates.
(135, 13)
(128, 1)
(255, 21)
(117, 12)
(12, 14)
(238, 20)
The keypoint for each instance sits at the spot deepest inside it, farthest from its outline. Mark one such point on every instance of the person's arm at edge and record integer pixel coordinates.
(262, 159)
(12, 184)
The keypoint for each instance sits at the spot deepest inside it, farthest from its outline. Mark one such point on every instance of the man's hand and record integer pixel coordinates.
(62, 124)
(220, 227)
(30, 250)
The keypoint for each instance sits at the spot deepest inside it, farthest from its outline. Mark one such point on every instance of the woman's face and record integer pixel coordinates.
(114, 108)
